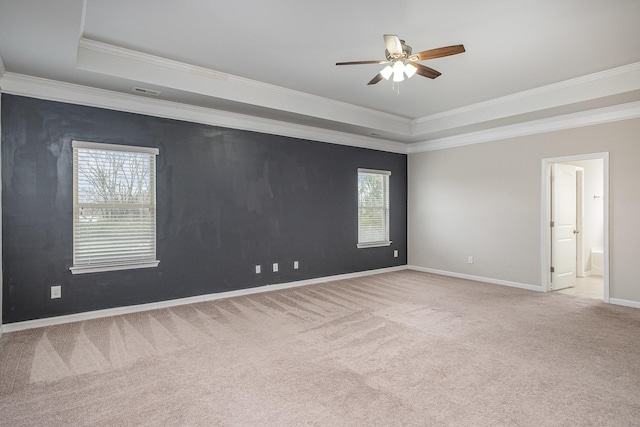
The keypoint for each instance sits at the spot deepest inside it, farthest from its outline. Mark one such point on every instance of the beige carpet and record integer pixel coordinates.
(396, 349)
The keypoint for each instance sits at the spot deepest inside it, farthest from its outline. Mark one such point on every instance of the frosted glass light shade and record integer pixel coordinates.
(386, 72)
(398, 72)
(410, 70)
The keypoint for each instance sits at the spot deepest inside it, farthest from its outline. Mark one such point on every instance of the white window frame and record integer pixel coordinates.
(386, 241)
(126, 264)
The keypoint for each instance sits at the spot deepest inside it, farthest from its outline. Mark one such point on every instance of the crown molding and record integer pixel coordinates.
(138, 66)
(589, 78)
(126, 63)
(35, 87)
(592, 86)
(116, 51)
(568, 121)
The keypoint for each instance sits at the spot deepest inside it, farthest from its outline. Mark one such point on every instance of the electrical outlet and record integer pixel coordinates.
(395, 253)
(470, 259)
(275, 267)
(56, 291)
(295, 265)
(257, 269)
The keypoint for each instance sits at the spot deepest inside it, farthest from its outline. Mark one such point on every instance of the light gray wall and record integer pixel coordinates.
(485, 200)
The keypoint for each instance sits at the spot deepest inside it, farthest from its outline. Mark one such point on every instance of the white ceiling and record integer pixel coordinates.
(525, 60)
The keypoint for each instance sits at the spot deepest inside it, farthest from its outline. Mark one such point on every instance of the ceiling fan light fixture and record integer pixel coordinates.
(410, 70)
(398, 71)
(403, 62)
(386, 72)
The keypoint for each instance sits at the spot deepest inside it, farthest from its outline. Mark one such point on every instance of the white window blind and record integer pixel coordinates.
(373, 208)
(114, 207)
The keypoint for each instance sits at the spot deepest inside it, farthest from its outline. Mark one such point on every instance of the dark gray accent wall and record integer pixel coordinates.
(227, 200)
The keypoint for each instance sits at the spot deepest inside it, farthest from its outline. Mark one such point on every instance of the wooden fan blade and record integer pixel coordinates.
(392, 42)
(439, 52)
(426, 71)
(376, 79)
(380, 61)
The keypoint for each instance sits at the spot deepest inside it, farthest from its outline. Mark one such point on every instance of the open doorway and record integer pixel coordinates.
(575, 225)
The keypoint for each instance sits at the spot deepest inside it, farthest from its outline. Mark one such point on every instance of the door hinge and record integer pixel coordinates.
(553, 270)
(552, 224)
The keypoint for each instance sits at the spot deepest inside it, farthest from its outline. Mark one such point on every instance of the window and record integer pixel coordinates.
(373, 208)
(114, 207)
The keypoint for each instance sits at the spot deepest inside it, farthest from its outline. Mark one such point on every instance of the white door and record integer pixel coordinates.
(563, 232)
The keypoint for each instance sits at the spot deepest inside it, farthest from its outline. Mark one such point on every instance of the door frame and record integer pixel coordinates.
(545, 274)
(579, 220)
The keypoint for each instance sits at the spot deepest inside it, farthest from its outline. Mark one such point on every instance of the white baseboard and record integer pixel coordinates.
(38, 323)
(586, 273)
(77, 317)
(624, 302)
(477, 278)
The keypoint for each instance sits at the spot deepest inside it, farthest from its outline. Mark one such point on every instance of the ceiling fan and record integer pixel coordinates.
(402, 62)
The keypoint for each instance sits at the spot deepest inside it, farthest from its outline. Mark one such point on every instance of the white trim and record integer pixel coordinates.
(362, 243)
(101, 258)
(125, 63)
(477, 278)
(374, 171)
(602, 76)
(614, 113)
(115, 267)
(373, 245)
(114, 147)
(40, 88)
(579, 221)
(625, 303)
(97, 314)
(610, 82)
(307, 282)
(545, 236)
(78, 317)
(2, 70)
(116, 51)
(163, 72)
(545, 216)
(35, 87)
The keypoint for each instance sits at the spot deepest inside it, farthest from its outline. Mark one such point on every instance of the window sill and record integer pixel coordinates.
(98, 269)
(373, 244)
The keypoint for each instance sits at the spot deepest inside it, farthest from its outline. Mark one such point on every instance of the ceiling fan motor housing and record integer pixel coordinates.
(406, 52)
